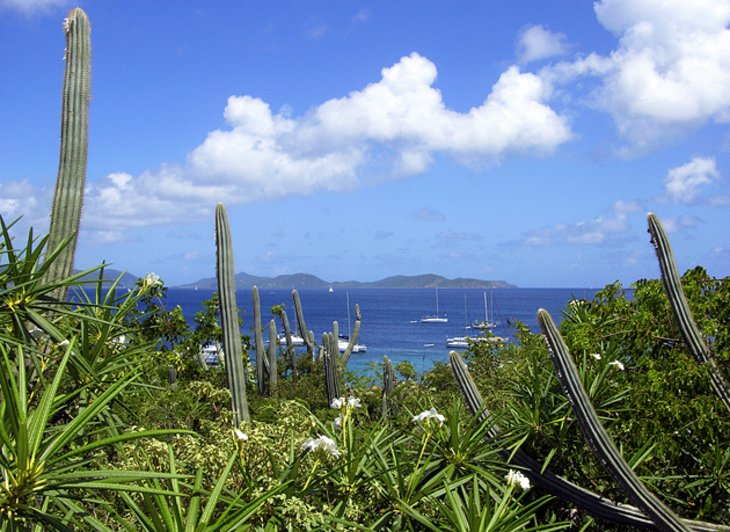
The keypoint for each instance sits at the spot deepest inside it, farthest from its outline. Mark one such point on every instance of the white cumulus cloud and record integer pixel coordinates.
(670, 71)
(612, 223)
(30, 7)
(391, 128)
(537, 42)
(683, 183)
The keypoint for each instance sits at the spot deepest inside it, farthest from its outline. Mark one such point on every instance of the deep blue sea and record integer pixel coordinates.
(391, 316)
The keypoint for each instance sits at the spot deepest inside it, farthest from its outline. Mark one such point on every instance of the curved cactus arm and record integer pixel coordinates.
(69, 194)
(303, 331)
(273, 374)
(289, 347)
(353, 338)
(554, 484)
(232, 348)
(597, 436)
(687, 326)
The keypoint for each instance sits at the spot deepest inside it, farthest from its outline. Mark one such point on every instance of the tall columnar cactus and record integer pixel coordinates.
(388, 386)
(232, 348)
(262, 361)
(273, 373)
(69, 194)
(599, 440)
(303, 331)
(688, 328)
(329, 356)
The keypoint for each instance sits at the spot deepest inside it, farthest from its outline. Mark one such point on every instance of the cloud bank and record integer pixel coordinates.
(400, 122)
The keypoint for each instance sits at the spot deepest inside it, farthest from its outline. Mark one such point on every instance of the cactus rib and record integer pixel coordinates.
(303, 331)
(599, 439)
(232, 348)
(680, 308)
(273, 374)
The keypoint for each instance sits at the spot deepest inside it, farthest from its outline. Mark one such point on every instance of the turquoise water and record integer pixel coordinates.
(391, 317)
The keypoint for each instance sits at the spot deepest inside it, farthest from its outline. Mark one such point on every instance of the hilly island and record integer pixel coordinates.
(306, 280)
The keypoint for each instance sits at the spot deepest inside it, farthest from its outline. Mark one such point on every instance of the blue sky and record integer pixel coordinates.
(523, 141)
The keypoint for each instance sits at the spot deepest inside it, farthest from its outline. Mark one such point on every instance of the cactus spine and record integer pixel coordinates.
(596, 434)
(69, 194)
(687, 326)
(232, 348)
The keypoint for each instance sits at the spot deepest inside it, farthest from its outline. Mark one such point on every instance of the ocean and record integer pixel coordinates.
(391, 316)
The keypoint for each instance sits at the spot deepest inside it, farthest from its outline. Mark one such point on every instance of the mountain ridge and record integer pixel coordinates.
(308, 280)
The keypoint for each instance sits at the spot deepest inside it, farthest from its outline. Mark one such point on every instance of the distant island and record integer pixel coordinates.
(306, 280)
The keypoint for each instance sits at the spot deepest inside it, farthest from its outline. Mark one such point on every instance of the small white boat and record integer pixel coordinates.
(211, 353)
(331, 289)
(457, 341)
(344, 341)
(486, 324)
(435, 318)
(295, 340)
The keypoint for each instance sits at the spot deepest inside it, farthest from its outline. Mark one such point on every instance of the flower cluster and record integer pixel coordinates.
(428, 415)
(240, 435)
(322, 443)
(517, 479)
(350, 403)
(151, 280)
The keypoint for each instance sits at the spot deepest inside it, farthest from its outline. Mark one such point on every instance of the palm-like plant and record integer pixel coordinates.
(47, 446)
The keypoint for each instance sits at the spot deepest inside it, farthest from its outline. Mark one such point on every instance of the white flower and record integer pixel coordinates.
(597, 356)
(321, 443)
(351, 402)
(338, 422)
(517, 479)
(240, 435)
(429, 414)
(152, 279)
(64, 343)
(618, 364)
(337, 403)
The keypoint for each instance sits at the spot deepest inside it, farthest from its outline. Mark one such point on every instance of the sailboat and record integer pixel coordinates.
(486, 324)
(344, 341)
(436, 318)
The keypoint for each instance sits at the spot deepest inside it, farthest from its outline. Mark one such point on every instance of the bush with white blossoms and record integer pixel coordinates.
(517, 479)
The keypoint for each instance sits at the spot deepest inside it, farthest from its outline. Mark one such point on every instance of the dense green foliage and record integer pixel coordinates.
(111, 419)
(95, 435)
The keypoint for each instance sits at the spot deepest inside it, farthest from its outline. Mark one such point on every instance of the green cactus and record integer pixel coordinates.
(388, 386)
(689, 330)
(273, 374)
(262, 361)
(599, 440)
(306, 335)
(591, 502)
(353, 338)
(291, 354)
(330, 352)
(69, 193)
(232, 348)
